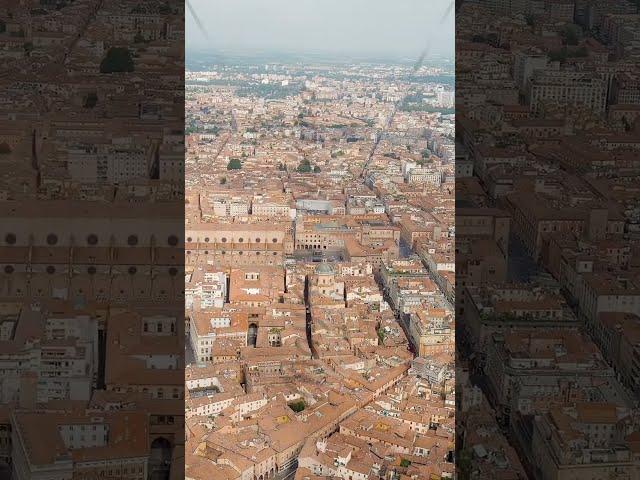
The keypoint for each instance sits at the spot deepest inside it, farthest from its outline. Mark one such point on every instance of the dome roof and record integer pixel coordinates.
(324, 269)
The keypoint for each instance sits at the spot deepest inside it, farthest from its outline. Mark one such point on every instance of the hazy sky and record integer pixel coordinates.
(389, 28)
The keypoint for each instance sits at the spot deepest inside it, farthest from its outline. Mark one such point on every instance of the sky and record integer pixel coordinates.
(399, 29)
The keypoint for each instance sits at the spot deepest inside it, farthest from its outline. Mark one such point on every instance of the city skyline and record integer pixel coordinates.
(373, 29)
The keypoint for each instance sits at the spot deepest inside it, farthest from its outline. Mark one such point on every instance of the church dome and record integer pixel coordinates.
(324, 269)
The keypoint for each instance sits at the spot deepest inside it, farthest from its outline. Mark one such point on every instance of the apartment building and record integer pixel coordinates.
(82, 445)
(548, 89)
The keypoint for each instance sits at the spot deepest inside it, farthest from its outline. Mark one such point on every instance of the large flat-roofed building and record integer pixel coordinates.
(66, 250)
(549, 88)
(228, 244)
(80, 445)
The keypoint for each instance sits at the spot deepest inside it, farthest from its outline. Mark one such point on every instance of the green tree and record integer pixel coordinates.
(571, 34)
(316, 169)
(304, 166)
(626, 123)
(464, 464)
(117, 60)
(234, 164)
(297, 406)
(559, 55)
(91, 100)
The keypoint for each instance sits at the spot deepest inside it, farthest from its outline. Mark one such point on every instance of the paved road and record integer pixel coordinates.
(288, 476)
(189, 356)
(405, 250)
(521, 266)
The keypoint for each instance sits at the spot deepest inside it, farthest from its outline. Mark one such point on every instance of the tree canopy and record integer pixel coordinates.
(234, 164)
(117, 60)
(304, 166)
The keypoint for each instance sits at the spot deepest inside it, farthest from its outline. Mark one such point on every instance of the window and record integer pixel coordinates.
(10, 238)
(132, 270)
(172, 240)
(51, 269)
(91, 270)
(132, 240)
(52, 239)
(92, 239)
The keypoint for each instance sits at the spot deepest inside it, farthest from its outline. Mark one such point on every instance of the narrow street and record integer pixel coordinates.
(309, 320)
